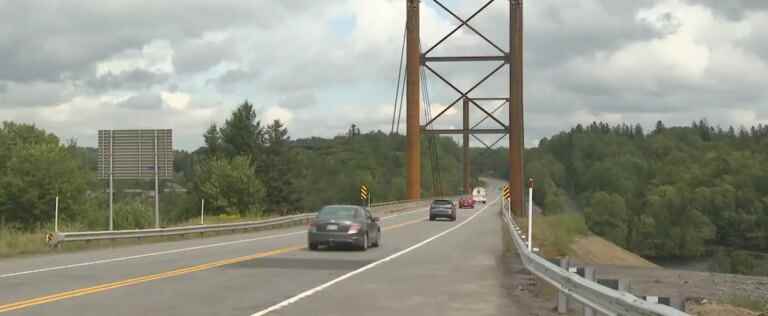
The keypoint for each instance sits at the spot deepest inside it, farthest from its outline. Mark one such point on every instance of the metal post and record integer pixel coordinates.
(157, 187)
(202, 212)
(562, 299)
(530, 215)
(413, 66)
(589, 274)
(56, 215)
(111, 184)
(623, 285)
(516, 137)
(466, 147)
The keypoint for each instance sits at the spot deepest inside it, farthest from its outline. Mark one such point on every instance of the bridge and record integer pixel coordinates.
(477, 265)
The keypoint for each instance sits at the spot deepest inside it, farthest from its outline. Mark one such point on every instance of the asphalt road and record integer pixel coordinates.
(422, 268)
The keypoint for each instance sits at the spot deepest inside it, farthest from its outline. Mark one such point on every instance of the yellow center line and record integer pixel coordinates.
(163, 275)
(404, 224)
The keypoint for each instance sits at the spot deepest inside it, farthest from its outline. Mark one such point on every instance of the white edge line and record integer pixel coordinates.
(167, 252)
(367, 267)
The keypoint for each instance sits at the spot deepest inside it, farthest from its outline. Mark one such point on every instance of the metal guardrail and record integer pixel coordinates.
(597, 296)
(59, 238)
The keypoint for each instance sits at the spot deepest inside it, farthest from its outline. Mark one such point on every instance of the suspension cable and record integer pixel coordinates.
(397, 86)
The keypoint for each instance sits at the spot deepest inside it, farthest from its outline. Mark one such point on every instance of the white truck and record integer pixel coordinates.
(478, 194)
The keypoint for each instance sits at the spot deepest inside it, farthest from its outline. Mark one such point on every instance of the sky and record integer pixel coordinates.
(74, 67)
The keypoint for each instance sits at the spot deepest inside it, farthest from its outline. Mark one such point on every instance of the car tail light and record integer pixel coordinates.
(354, 228)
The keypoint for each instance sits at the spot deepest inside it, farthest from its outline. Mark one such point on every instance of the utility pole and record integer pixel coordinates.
(413, 84)
(465, 144)
(516, 136)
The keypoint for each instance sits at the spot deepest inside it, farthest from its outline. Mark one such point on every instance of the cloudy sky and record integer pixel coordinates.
(74, 67)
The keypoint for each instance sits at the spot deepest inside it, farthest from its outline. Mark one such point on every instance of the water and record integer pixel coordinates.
(700, 264)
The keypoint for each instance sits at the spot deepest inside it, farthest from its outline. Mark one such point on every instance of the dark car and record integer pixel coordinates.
(344, 225)
(442, 209)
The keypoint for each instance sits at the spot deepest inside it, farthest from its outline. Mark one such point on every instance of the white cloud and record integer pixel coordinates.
(618, 60)
(176, 100)
(278, 113)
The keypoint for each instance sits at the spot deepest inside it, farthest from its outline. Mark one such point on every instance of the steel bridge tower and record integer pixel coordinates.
(512, 58)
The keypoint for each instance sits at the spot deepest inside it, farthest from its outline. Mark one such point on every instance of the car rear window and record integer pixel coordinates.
(441, 202)
(339, 212)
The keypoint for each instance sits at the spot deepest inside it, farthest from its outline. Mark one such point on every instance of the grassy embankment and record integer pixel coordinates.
(567, 234)
(14, 242)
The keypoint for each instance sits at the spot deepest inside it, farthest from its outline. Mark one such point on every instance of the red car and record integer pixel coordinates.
(467, 202)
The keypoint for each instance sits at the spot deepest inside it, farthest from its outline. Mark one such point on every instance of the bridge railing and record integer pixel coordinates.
(603, 299)
(58, 238)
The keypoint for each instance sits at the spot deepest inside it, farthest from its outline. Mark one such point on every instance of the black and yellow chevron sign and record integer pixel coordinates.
(363, 192)
(507, 194)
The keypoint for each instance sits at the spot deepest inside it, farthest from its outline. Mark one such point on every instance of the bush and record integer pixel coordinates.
(133, 214)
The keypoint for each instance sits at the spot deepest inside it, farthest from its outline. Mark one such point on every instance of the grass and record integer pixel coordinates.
(750, 303)
(554, 234)
(16, 242)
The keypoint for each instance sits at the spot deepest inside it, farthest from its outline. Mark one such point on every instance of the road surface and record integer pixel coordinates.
(422, 268)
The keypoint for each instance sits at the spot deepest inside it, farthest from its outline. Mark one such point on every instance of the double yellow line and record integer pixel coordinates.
(134, 281)
(159, 276)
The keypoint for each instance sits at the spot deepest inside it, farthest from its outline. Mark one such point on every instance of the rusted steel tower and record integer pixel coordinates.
(511, 58)
(516, 126)
(413, 88)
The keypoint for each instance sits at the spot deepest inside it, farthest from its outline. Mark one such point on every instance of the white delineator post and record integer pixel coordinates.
(56, 216)
(202, 212)
(530, 214)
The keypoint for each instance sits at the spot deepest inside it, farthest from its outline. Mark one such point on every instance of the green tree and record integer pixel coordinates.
(279, 169)
(34, 169)
(213, 142)
(228, 185)
(607, 216)
(242, 134)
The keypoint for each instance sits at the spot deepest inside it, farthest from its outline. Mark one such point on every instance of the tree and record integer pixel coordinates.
(242, 133)
(34, 168)
(32, 178)
(607, 216)
(228, 185)
(279, 169)
(213, 142)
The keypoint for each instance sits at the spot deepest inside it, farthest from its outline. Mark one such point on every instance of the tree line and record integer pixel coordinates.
(246, 167)
(671, 192)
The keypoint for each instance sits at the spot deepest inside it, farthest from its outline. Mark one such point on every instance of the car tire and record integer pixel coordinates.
(364, 245)
(313, 246)
(377, 243)
(431, 218)
(453, 219)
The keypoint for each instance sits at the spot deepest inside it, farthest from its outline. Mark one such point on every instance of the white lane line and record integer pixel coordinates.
(367, 267)
(173, 251)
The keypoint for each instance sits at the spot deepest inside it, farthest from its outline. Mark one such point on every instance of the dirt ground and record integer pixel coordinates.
(593, 250)
(709, 309)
